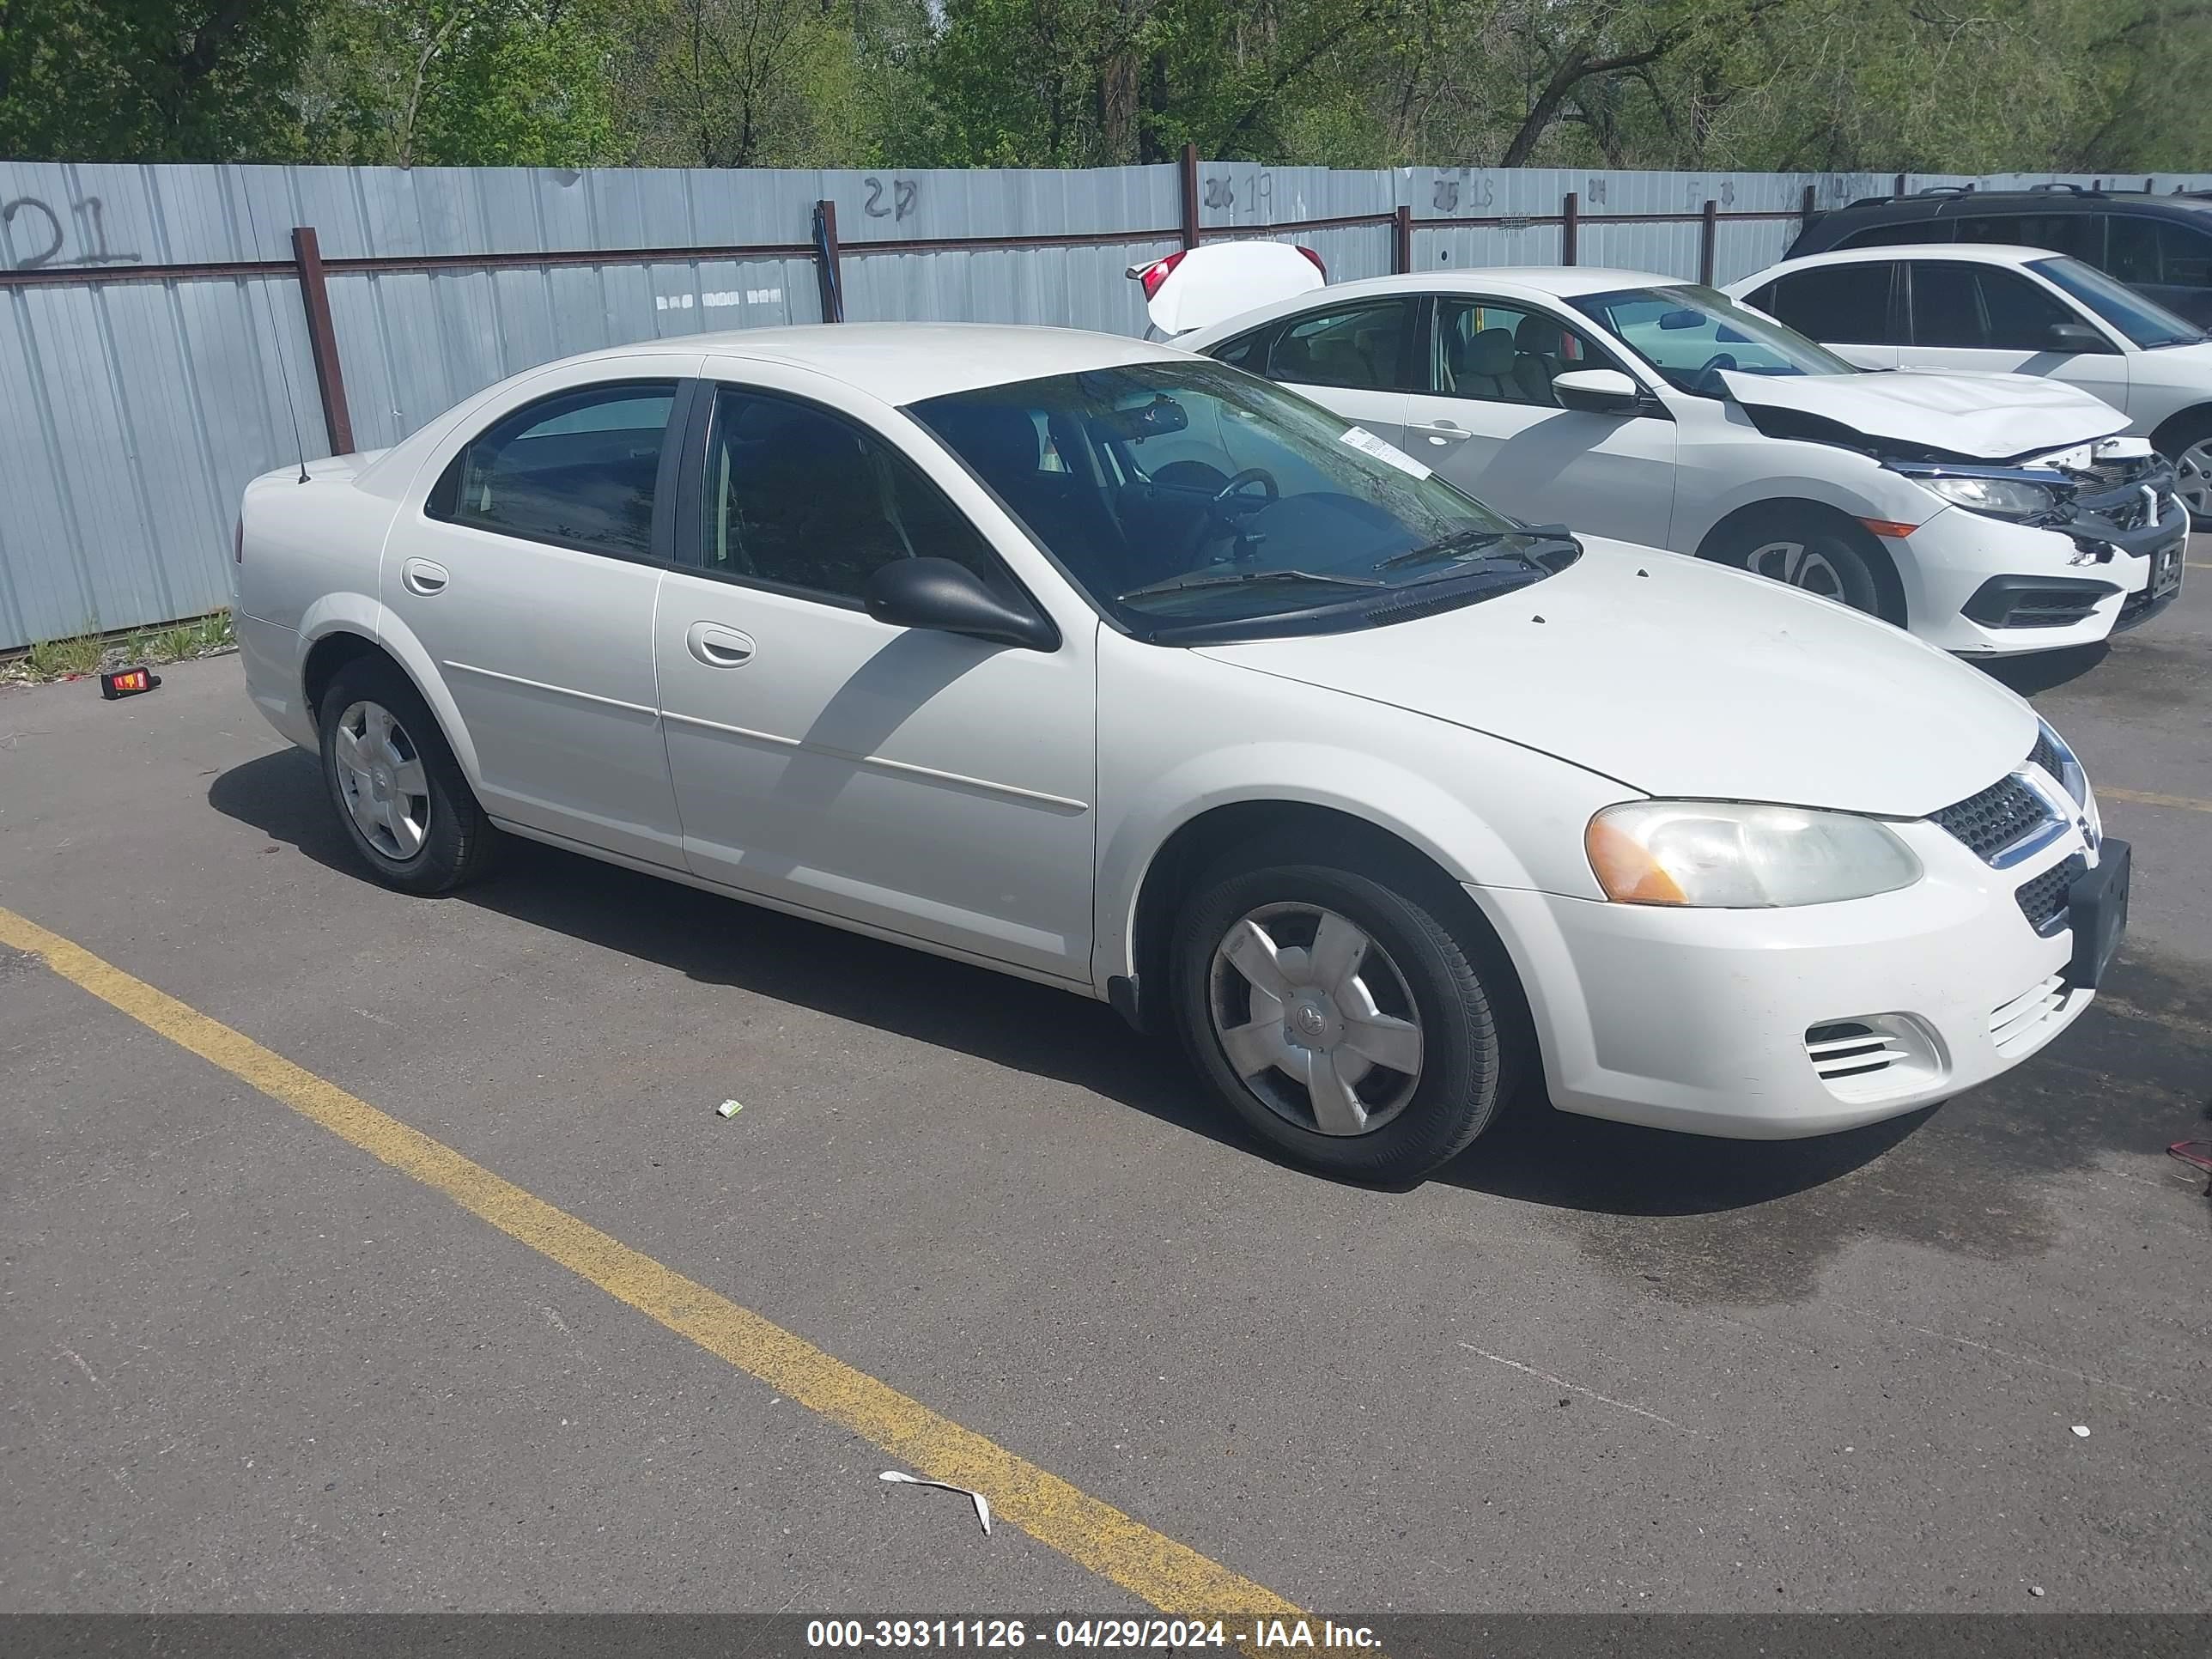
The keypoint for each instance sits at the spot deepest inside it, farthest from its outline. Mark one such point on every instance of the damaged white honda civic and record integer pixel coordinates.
(1111, 667)
(1990, 514)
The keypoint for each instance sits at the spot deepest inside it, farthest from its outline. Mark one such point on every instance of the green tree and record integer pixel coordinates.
(150, 80)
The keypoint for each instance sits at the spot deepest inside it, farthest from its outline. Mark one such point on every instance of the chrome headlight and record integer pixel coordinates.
(1735, 855)
(1998, 498)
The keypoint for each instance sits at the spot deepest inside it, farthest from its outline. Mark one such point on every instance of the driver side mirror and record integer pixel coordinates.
(951, 599)
(2075, 337)
(1597, 392)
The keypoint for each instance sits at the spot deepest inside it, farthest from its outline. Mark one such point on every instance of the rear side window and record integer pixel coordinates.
(1912, 234)
(577, 470)
(1359, 346)
(1245, 351)
(2080, 235)
(1837, 305)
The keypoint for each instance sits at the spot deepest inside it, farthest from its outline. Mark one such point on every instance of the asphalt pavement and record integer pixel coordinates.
(244, 1366)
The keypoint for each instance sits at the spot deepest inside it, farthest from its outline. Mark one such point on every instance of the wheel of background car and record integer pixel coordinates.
(398, 791)
(2186, 440)
(1337, 1014)
(1231, 495)
(1812, 558)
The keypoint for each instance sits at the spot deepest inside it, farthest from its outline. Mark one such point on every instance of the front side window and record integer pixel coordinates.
(1358, 346)
(1847, 304)
(1191, 501)
(2162, 252)
(578, 469)
(1503, 354)
(799, 499)
(2144, 321)
(2020, 315)
(1690, 333)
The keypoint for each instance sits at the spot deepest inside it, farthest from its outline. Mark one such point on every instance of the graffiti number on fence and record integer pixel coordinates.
(93, 235)
(904, 193)
(1220, 193)
(1447, 195)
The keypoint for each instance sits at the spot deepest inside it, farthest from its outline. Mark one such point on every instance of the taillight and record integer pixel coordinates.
(1153, 275)
(1317, 264)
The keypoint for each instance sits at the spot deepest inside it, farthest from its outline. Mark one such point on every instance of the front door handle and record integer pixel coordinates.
(1442, 432)
(421, 576)
(718, 646)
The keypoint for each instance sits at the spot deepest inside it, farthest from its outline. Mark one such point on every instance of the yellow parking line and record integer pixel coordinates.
(2145, 798)
(1170, 1575)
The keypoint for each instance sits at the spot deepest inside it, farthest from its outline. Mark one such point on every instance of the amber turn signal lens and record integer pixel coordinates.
(1628, 874)
(1889, 527)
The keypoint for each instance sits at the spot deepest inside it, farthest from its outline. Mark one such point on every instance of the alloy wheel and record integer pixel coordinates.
(1799, 566)
(1315, 1018)
(2193, 478)
(381, 777)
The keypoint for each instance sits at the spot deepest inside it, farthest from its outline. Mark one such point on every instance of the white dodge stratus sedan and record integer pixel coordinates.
(1123, 671)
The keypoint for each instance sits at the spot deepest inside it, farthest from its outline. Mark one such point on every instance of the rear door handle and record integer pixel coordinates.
(1442, 432)
(718, 646)
(421, 576)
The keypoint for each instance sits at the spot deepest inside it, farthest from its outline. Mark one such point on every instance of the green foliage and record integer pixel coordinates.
(1873, 85)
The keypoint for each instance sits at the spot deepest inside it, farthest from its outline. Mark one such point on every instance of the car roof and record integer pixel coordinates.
(905, 362)
(1983, 253)
(1943, 203)
(1561, 282)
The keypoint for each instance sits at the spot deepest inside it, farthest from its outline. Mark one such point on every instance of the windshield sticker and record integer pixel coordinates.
(1368, 444)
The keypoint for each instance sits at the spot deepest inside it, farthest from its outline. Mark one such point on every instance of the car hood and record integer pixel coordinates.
(1990, 417)
(1683, 679)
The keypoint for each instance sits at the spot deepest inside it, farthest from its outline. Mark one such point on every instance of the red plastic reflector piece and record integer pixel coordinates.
(127, 682)
(1315, 258)
(1153, 275)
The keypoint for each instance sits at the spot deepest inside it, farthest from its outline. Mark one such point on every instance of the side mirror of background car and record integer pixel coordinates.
(939, 594)
(2076, 337)
(1596, 390)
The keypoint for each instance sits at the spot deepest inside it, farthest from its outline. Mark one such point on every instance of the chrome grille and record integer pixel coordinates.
(2043, 900)
(2005, 812)
(2044, 754)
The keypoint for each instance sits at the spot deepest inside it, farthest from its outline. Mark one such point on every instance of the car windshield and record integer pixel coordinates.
(1690, 333)
(2146, 322)
(1192, 500)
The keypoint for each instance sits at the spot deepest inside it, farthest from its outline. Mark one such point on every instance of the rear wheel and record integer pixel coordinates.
(1338, 1015)
(401, 795)
(1815, 558)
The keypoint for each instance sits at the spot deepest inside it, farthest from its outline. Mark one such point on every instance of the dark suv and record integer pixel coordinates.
(2161, 246)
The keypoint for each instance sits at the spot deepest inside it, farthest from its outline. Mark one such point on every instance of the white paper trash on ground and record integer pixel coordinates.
(983, 1504)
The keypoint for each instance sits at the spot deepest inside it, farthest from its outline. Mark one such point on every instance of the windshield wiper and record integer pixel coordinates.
(1445, 546)
(1240, 578)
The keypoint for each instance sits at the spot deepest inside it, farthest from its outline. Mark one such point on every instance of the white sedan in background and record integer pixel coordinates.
(1989, 516)
(1124, 671)
(1960, 307)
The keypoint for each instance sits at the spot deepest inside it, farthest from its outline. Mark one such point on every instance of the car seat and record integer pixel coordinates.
(1483, 367)
(1536, 344)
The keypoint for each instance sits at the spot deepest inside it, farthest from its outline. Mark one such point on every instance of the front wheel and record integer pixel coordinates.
(1812, 558)
(405, 804)
(2186, 440)
(1338, 1016)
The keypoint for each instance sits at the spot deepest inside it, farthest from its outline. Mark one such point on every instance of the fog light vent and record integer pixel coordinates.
(1873, 1056)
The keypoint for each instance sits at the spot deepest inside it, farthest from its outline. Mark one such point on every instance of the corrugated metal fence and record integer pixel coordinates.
(159, 320)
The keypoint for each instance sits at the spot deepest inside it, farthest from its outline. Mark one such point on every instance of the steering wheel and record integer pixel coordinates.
(1231, 496)
(1718, 360)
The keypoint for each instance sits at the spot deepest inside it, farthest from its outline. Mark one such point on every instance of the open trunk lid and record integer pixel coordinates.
(1200, 287)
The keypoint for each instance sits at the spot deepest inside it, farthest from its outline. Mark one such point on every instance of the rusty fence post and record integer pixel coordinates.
(1709, 237)
(1401, 240)
(828, 267)
(1189, 176)
(1806, 212)
(322, 338)
(1899, 190)
(1570, 228)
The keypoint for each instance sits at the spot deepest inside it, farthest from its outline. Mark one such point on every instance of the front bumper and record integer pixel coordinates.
(1767, 1024)
(1984, 587)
